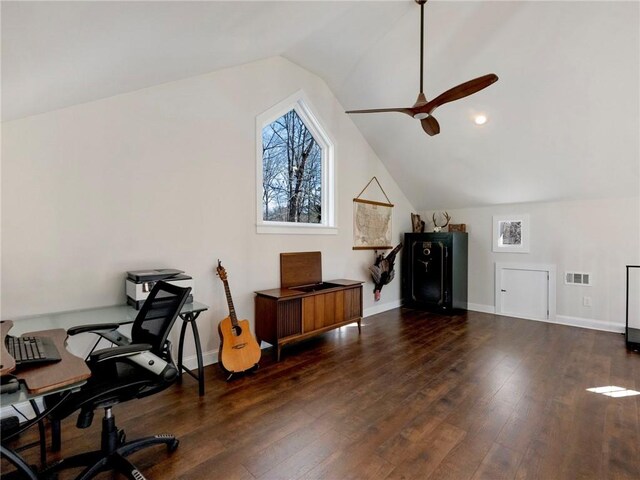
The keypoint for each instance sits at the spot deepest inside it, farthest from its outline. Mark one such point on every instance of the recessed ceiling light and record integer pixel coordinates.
(480, 119)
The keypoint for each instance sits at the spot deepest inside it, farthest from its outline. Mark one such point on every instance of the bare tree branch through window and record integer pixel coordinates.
(291, 172)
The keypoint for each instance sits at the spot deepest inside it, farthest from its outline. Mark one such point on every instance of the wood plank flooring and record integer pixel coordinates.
(416, 395)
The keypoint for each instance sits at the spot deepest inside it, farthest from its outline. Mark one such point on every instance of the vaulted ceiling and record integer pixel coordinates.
(564, 118)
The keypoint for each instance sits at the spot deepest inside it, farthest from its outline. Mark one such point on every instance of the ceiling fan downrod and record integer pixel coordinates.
(421, 3)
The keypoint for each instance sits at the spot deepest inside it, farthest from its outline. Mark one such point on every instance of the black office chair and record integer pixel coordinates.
(134, 368)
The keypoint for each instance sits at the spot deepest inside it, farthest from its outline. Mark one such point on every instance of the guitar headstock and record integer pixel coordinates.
(222, 273)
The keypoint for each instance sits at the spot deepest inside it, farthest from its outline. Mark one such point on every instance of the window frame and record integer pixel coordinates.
(300, 103)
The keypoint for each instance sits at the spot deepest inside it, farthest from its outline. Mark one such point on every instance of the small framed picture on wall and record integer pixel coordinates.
(511, 233)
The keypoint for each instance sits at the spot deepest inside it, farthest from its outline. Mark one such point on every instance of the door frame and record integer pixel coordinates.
(551, 286)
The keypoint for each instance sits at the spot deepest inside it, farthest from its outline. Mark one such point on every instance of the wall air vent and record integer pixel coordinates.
(577, 278)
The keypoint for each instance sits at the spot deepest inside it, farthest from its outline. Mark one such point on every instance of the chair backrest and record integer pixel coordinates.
(155, 319)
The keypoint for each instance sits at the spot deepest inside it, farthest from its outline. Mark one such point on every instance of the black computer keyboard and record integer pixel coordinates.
(30, 350)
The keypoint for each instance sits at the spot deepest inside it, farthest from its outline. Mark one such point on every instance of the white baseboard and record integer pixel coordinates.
(208, 358)
(476, 307)
(379, 308)
(589, 323)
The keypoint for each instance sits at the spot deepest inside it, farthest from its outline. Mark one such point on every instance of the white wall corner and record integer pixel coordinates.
(476, 307)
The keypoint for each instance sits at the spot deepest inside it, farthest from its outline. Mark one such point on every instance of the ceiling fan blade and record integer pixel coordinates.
(463, 90)
(406, 111)
(430, 125)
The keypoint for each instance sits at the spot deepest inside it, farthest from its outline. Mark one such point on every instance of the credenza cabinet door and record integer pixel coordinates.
(280, 321)
(289, 318)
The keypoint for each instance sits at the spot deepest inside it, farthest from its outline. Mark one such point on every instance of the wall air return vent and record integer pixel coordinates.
(577, 278)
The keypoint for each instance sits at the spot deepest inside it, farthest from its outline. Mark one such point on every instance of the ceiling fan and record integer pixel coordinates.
(422, 109)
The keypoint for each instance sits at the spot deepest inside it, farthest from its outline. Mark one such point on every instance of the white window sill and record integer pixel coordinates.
(296, 229)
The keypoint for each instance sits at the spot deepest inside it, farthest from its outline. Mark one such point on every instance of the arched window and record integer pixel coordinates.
(295, 171)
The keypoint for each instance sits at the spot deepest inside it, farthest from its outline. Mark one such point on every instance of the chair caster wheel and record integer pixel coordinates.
(173, 446)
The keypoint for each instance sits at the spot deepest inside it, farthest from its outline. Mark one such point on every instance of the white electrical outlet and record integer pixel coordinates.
(586, 301)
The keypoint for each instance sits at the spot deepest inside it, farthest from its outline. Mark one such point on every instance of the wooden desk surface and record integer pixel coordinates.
(52, 376)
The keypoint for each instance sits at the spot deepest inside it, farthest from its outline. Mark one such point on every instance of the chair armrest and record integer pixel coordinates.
(139, 354)
(97, 327)
(121, 351)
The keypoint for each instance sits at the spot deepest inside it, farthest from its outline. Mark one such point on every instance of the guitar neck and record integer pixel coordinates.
(232, 310)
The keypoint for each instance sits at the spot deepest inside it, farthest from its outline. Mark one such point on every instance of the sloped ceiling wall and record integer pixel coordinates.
(563, 119)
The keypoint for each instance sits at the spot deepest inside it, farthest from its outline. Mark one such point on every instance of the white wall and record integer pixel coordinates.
(596, 236)
(165, 177)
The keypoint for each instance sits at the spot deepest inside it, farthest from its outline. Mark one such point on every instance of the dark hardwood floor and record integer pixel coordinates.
(416, 395)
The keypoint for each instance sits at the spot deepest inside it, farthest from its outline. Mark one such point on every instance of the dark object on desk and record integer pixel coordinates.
(31, 350)
(9, 425)
(304, 305)
(435, 271)
(9, 384)
(128, 371)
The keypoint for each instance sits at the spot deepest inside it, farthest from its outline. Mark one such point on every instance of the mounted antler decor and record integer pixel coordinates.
(438, 228)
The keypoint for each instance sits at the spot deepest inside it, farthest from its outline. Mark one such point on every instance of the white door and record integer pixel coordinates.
(523, 293)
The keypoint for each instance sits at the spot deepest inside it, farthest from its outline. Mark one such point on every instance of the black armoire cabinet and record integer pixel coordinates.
(434, 273)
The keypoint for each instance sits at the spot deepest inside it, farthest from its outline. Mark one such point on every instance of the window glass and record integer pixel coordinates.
(291, 172)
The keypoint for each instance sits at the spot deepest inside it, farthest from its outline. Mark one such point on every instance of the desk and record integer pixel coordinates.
(123, 315)
(68, 374)
(50, 377)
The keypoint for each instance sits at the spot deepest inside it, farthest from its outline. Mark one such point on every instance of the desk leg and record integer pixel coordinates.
(41, 432)
(181, 347)
(190, 318)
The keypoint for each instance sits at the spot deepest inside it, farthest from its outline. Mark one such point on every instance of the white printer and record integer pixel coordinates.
(139, 283)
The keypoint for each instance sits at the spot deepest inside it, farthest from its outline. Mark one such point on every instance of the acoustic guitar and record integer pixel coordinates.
(239, 351)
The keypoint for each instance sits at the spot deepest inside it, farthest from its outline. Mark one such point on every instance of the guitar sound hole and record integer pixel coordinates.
(237, 331)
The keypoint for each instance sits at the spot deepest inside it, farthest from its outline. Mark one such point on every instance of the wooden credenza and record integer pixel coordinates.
(285, 315)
